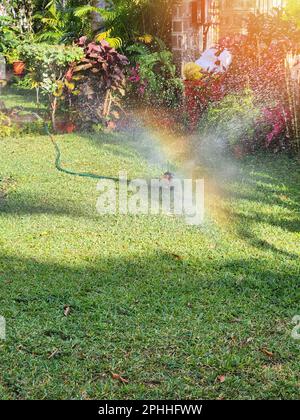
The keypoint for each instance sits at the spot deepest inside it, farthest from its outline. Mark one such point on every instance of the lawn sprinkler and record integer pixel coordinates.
(167, 176)
(166, 181)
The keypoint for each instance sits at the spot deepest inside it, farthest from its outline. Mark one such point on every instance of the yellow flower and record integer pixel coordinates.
(147, 39)
(192, 71)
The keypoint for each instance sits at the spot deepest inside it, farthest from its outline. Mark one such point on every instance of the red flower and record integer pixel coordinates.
(276, 117)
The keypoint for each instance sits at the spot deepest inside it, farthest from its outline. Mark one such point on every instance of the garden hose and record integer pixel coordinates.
(68, 172)
(166, 176)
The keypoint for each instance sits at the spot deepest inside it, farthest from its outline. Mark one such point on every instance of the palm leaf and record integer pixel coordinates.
(114, 42)
(49, 36)
(83, 11)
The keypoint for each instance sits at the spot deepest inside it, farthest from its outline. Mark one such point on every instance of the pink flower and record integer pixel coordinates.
(277, 118)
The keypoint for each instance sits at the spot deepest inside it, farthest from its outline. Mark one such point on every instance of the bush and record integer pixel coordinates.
(100, 81)
(6, 128)
(153, 77)
(232, 120)
(17, 123)
(260, 63)
(48, 65)
(9, 34)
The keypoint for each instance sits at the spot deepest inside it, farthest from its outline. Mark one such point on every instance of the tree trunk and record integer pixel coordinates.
(53, 113)
(97, 20)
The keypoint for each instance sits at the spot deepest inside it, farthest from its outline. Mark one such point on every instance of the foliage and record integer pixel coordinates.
(65, 21)
(131, 19)
(21, 11)
(9, 34)
(137, 85)
(276, 120)
(104, 61)
(260, 62)
(57, 22)
(53, 20)
(6, 128)
(231, 120)
(154, 74)
(292, 8)
(99, 80)
(19, 124)
(259, 54)
(115, 42)
(13, 54)
(49, 62)
(47, 65)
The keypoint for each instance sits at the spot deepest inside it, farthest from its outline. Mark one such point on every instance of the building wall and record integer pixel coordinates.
(223, 17)
(233, 13)
(189, 35)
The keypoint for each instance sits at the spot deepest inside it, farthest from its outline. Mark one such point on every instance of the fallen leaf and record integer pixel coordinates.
(283, 197)
(177, 257)
(221, 379)
(267, 352)
(67, 310)
(117, 377)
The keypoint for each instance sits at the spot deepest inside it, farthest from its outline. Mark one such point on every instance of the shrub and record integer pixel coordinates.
(154, 75)
(99, 79)
(48, 65)
(232, 120)
(260, 62)
(14, 122)
(6, 127)
(9, 34)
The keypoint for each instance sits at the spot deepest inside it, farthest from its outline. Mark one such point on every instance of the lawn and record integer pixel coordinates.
(178, 311)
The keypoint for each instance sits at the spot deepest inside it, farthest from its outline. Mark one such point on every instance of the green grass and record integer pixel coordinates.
(171, 326)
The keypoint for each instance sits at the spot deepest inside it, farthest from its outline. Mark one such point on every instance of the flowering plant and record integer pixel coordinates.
(276, 119)
(260, 63)
(192, 72)
(136, 80)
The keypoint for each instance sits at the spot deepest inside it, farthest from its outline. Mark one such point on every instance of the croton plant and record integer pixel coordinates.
(100, 80)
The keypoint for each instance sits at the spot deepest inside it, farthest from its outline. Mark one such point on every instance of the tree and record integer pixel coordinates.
(130, 19)
(22, 12)
(56, 22)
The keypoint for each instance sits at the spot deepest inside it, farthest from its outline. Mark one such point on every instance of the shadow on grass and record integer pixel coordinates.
(163, 269)
(155, 318)
(266, 191)
(19, 205)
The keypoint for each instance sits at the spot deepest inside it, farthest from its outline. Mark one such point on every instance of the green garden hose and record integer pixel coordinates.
(167, 175)
(68, 172)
